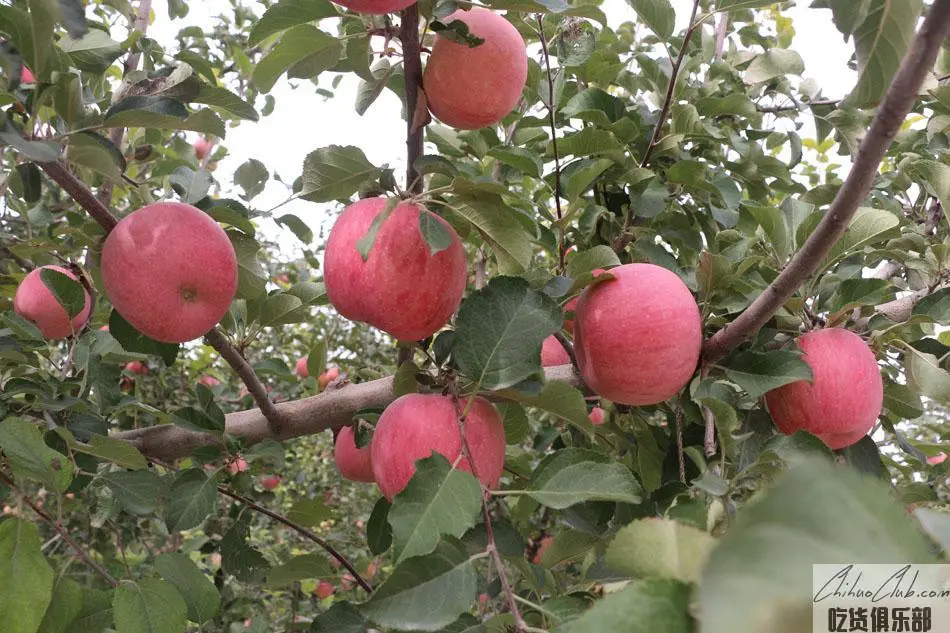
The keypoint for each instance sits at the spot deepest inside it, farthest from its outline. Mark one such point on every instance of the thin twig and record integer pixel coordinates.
(900, 97)
(99, 569)
(412, 72)
(245, 372)
(79, 192)
(680, 451)
(569, 348)
(557, 161)
(722, 30)
(299, 529)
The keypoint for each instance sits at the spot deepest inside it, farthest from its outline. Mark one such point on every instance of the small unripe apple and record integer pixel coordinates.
(270, 482)
(597, 416)
(36, 303)
(323, 590)
(355, 464)
(328, 376)
(170, 271)
(302, 370)
(544, 545)
(376, 7)
(137, 367)
(209, 381)
(416, 425)
(637, 337)
(471, 88)
(553, 353)
(203, 147)
(843, 401)
(401, 288)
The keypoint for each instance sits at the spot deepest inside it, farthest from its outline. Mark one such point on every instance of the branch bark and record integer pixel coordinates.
(79, 192)
(897, 103)
(412, 67)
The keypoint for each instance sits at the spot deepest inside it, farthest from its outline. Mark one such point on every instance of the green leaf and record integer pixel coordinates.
(224, 99)
(64, 607)
(660, 547)
(499, 332)
(197, 420)
(239, 559)
(365, 244)
(335, 173)
(558, 398)
(869, 226)
(574, 475)
(436, 234)
(280, 308)
(379, 534)
(252, 177)
(68, 292)
(96, 613)
(648, 606)
(495, 220)
(251, 281)
(43, 17)
(759, 372)
(138, 491)
(425, 593)
(132, 340)
(369, 91)
(310, 512)
(287, 14)
(935, 306)
(656, 14)
(926, 377)
(936, 176)
(306, 567)
(40, 151)
(457, 31)
(776, 62)
(200, 595)
(579, 175)
(341, 618)
(304, 44)
(26, 579)
(595, 106)
(297, 227)
(93, 52)
(160, 112)
(796, 524)
(525, 161)
(854, 293)
(191, 500)
(191, 185)
(880, 43)
(438, 500)
(936, 524)
(29, 456)
(149, 606)
(96, 152)
(737, 5)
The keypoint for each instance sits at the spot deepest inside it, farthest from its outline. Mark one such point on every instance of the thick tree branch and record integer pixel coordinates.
(897, 103)
(412, 68)
(79, 192)
(309, 416)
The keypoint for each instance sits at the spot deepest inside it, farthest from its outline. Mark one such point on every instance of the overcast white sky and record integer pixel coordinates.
(303, 121)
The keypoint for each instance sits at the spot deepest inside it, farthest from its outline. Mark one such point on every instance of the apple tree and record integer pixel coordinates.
(649, 324)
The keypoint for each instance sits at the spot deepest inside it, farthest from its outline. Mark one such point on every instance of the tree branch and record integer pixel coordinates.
(557, 160)
(897, 103)
(79, 192)
(412, 69)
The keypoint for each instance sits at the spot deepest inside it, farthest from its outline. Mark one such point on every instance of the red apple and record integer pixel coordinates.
(137, 367)
(544, 545)
(416, 424)
(371, 570)
(323, 590)
(843, 401)
(239, 465)
(553, 353)
(104, 328)
(597, 416)
(327, 377)
(203, 147)
(377, 7)
(26, 76)
(402, 288)
(270, 482)
(170, 270)
(637, 337)
(570, 306)
(353, 463)
(34, 302)
(348, 582)
(301, 368)
(209, 381)
(939, 458)
(471, 88)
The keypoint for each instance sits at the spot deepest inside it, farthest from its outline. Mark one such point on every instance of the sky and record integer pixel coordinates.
(303, 121)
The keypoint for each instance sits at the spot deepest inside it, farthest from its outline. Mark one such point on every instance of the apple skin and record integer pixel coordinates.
(597, 416)
(570, 306)
(203, 147)
(302, 370)
(937, 459)
(542, 547)
(355, 464)
(270, 482)
(843, 401)
(34, 302)
(209, 381)
(553, 353)
(170, 271)
(375, 7)
(137, 367)
(328, 376)
(323, 590)
(471, 88)
(239, 465)
(416, 425)
(26, 76)
(637, 338)
(401, 288)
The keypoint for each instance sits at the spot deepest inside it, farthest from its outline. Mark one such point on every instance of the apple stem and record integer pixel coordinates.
(900, 97)
(412, 71)
(557, 160)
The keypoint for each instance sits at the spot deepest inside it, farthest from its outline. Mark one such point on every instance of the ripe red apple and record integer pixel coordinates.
(301, 368)
(553, 353)
(328, 376)
(937, 459)
(170, 271)
(270, 482)
(570, 306)
(137, 367)
(597, 416)
(402, 288)
(471, 88)
(203, 147)
(353, 463)
(545, 544)
(238, 465)
(34, 302)
(416, 424)
(843, 401)
(209, 381)
(26, 76)
(637, 337)
(323, 590)
(377, 7)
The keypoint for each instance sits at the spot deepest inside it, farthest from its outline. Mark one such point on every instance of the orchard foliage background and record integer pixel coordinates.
(691, 150)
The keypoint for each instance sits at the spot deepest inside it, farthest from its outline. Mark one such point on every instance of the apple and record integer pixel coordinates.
(416, 424)
(238, 465)
(402, 288)
(377, 7)
(553, 353)
(323, 590)
(170, 271)
(844, 399)
(301, 369)
(203, 147)
(471, 88)
(26, 76)
(570, 306)
(939, 458)
(209, 381)
(597, 416)
(270, 482)
(348, 582)
(371, 570)
(353, 463)
(137, 367)
(637, 337)
(104, 328)
(36, 303)
(328, 376)
(544, 545)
